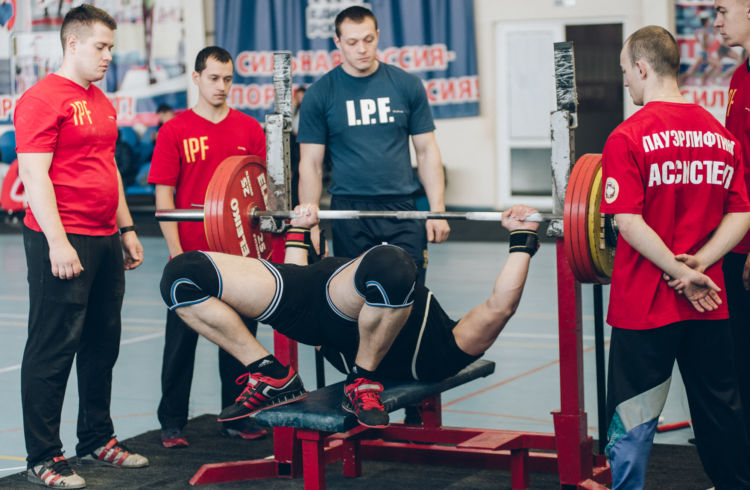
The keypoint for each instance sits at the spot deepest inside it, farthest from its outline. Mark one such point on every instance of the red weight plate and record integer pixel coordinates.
(576, 218)
(238, 185)
(571, 222)
(568, 222)
(581, 231)
(578, 191)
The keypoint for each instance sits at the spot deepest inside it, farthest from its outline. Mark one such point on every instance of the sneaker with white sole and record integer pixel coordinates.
(55, 473)
(114, 453)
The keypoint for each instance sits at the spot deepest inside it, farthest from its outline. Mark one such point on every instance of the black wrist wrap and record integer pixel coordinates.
(525, 241)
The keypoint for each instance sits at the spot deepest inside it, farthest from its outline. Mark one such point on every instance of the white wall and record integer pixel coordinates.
(468, 144)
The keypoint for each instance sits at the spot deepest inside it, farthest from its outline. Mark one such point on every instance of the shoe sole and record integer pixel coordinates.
(37, 481)
(347, 409)
(286, 402)
(173, 445)
(98, 462)
(258, 434)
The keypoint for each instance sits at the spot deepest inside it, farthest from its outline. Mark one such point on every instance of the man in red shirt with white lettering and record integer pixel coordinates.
(188, 150)
(673, 178)
(734, 27)
(66, 130)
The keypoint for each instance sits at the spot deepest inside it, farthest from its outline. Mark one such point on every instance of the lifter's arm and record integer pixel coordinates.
(477, 331)
(33, 168)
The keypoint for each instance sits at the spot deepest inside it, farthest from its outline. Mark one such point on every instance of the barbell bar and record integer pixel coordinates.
(256, 213)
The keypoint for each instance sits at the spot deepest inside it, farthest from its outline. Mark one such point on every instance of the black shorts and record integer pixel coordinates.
(425, 349)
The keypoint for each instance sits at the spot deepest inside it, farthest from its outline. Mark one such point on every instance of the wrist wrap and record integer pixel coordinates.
(525, 241)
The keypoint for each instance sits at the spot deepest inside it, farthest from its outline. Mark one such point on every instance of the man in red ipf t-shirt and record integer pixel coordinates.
(188, 150)
(66, 131)
(674, 180)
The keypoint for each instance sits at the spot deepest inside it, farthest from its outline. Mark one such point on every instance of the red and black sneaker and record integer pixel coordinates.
(264, 392)
(362, 398)
(173, 438)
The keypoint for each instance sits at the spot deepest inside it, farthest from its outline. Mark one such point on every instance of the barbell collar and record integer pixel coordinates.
(197, 215)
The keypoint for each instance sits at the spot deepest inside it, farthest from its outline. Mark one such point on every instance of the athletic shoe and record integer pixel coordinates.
(264, 392)
(55, 473)
(173, 438)
(114, 453)
(362, 398)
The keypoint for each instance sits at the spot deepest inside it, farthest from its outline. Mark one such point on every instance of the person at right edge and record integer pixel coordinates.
(361, 114)
(734, 26)
(673, 178)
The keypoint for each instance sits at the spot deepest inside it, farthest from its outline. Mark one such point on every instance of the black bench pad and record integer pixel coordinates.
(321, 409)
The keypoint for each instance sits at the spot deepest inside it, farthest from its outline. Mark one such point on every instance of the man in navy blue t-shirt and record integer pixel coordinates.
(362, 113)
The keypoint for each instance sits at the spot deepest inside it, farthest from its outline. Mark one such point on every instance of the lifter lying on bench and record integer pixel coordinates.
(367, 315)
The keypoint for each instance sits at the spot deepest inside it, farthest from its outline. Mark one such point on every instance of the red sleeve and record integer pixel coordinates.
(165, 162)
(623, 190)
(37, 125)
(737, 198)
(257, 139)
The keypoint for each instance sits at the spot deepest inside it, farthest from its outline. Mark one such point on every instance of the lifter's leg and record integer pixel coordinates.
(220, 323)
(384, 280)
(209, 292)
(378, 328)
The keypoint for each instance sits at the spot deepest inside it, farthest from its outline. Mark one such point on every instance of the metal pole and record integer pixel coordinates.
(320, 371)
(197, 215)
(601, 385)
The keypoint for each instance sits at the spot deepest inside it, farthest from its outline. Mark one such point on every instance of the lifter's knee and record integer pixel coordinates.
(188, 279)
(386, 277)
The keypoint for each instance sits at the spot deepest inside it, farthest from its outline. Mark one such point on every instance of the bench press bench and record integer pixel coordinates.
(324, 433)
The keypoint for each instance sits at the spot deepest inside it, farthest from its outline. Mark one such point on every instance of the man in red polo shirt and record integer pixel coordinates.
(188, 150)
(674, 180)
(734, 26)
(66, 130)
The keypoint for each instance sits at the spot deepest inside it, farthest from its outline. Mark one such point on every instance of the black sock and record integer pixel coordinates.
(268, 366)
(359, 372)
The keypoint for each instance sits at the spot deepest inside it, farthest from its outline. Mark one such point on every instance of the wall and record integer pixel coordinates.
(467, 144)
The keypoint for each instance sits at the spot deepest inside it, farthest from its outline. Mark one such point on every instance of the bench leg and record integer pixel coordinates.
(431, 410)
(351, 460)
(313, 459)
(519, 469)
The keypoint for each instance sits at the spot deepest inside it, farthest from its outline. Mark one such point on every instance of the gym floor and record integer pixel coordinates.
(519, 396)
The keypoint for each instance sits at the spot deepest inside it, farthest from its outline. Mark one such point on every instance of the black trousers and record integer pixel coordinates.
(177, 367)
(640, 369)
(352, 237)
(738, 300)
(75, 318)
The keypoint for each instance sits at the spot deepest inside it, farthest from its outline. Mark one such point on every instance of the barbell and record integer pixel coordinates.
(237, 194)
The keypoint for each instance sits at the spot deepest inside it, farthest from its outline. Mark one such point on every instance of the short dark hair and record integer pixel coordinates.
(656, 46)
(219, 54)
(356, 14)
(84, 16)
(164, 108)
